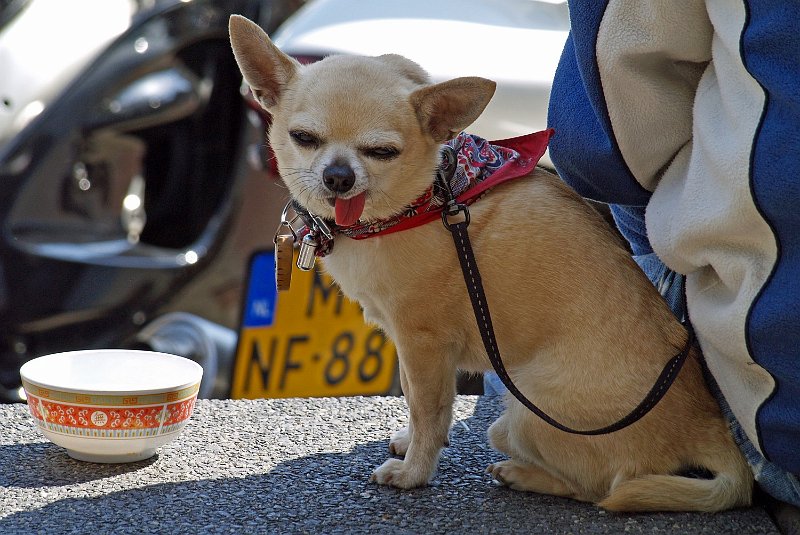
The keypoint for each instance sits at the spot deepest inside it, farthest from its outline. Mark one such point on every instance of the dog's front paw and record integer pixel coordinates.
(397, 473)
(399, 443)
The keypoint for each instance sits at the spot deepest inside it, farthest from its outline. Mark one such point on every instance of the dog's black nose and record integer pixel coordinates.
(338, 177)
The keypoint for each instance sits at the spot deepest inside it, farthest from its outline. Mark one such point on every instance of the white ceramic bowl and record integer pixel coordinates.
(111, 405)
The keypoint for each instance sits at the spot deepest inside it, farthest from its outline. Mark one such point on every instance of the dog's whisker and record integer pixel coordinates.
(387, 200)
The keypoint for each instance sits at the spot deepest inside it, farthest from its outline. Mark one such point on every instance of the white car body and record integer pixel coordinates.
(516, 43)
(44, 47)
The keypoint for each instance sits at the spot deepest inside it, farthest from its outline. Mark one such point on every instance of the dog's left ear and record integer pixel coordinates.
(447, 108)
(265, 68)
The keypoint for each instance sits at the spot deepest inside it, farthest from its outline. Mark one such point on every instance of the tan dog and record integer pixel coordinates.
(583, 333)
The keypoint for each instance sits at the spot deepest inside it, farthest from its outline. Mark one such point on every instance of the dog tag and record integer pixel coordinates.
(307, 257)
(284, 251)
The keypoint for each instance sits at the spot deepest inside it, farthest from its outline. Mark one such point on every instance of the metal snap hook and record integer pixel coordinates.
(452, 209)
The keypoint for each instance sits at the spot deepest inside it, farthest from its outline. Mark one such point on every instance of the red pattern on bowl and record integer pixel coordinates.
(87, 417)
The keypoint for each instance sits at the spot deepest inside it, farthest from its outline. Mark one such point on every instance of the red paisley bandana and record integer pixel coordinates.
(481, 166)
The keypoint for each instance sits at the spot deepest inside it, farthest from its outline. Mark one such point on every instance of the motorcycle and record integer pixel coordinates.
(124, 165)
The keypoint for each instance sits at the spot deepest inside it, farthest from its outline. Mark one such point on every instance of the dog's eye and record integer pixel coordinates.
(304, 139)
(381, 153)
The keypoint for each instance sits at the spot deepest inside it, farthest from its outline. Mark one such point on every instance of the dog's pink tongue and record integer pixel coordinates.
(349, 210)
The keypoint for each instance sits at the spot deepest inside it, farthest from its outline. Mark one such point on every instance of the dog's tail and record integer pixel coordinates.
(730, 488)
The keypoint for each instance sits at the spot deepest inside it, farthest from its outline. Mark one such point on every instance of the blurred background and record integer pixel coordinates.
(139, 200)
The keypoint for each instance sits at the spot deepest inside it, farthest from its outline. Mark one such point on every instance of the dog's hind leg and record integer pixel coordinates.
(498, 436)
(521, 474)
(505, 438)
(528, 477)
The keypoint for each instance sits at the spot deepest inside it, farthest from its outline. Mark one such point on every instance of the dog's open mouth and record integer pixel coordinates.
(348, 211)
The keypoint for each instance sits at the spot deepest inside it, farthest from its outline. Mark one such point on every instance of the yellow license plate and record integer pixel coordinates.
(309, 341)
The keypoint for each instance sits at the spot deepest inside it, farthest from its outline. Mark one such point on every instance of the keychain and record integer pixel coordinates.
(317, 230)
(318, 233)
(308, 249)
(284, 251)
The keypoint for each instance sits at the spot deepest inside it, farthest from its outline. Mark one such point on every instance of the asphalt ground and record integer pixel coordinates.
(299, 466)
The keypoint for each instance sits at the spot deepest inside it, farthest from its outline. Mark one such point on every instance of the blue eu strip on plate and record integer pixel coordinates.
(262, 294)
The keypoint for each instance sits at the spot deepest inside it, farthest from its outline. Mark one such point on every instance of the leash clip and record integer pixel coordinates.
(452, 209)
(447, 168)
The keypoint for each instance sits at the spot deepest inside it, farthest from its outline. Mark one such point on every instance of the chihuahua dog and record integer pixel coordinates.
(582, 330)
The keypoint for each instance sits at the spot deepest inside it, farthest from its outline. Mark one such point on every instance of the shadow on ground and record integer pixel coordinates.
(330, 493)
(48, 465)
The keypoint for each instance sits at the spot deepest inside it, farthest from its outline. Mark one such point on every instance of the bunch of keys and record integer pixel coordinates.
(284, 244)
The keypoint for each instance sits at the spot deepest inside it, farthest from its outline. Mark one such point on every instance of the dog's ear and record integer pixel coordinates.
(447, 108)
(265, 68)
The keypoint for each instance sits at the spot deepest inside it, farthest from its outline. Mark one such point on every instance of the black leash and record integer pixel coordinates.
(472, 278)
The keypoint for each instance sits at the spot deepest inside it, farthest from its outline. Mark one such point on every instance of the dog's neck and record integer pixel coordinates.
(481, 165)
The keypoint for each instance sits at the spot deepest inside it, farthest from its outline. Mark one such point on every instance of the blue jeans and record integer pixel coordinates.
(776, 482)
